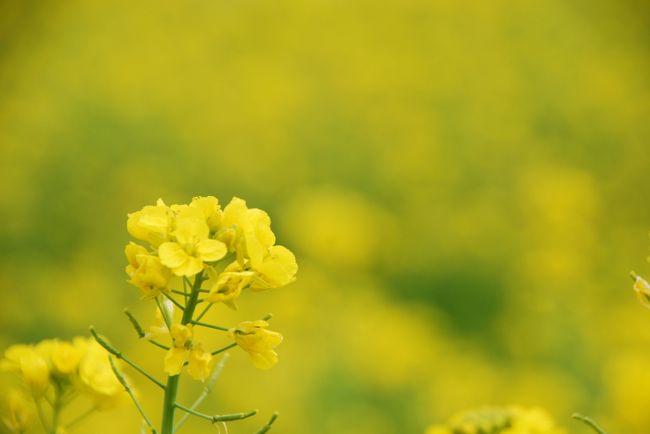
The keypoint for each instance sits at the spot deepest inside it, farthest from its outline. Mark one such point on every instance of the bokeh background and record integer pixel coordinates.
(465, 185)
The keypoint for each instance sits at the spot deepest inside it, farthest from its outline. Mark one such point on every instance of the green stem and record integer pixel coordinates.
(169, 402)
(41, 415)
(206, 390)
(267, 427)
(218, 417)
(589, 422)
(210, 326)
(127, 387)
(56, 409)
(81, 417)
(114, 351)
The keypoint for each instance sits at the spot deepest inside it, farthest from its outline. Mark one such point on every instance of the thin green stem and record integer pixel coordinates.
(209, 385)
(218, 417)
(41, 415)
(134, 322)
(267, 427)
(173, 300)
(158, 344)
(56, 409)
(202, 324)
(171, 389)
(114, 351)
(226, 348)
(163, 312)
(81, 417)
(122, 379)
(205, 310)
(590, 422)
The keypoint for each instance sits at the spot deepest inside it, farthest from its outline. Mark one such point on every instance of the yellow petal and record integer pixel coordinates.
(174, 360)
(181, 334)
(211, 250)
(264, 360)
(172, 255)
(199, 365)
(191, 267)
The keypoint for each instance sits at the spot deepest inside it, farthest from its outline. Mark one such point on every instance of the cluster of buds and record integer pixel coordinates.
(51, 374)
(499, 420)
(188, 258)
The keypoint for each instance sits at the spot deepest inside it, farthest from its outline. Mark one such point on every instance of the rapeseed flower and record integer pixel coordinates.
(151, 224)
(145, 271)
(254, 338)
(190, 246)
(16, 412)
(499, 420)
(186, 351)
(642, 290)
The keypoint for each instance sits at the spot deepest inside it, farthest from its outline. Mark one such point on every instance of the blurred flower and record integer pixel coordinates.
(642, 290)
(254, 338)
(16, 411)
(498, 420)
(30, 366)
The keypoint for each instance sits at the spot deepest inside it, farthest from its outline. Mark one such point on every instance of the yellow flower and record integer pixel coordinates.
(96, 374)
(30, 365)
(278, 268)
(227, 286)
(16, 411)
(191, 246)
(642, 290)
(151, 224)
(146, 272)
(62, 357)
(438, 429)
(199, 362)
(499, 420)
(254, 338)
(246, 231)
(211, 210)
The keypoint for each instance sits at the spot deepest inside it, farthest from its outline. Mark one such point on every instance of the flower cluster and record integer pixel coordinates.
(499, 420)
(226, 251)
(185, 240)
(55, 371)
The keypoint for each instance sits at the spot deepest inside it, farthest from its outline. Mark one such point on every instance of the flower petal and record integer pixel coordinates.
(174, 360)
(172, 255)
(211, 250)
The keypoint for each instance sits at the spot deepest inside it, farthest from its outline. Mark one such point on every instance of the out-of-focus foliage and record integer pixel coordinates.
(465, 184)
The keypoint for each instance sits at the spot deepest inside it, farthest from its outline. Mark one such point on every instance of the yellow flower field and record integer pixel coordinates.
(453, 196)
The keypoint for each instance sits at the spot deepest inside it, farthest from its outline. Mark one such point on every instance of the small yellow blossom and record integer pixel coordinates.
(254, 338)
(211, 211)
(30, 365)
(199, 362)
(16, 411)
(246, 231)
(499, 420)
(278, 268)
(227, 286)
(62, 357)
(95, 373)
(146, 272)
(191, 245)
(151, 224)
(642, 290)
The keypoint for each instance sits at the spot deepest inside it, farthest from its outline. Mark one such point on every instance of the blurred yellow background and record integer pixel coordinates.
(465, 185)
